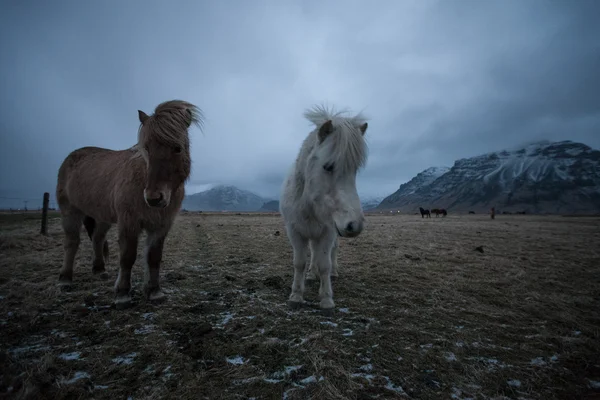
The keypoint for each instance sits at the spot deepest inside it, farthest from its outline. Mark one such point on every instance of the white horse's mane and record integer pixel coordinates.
(349, 149)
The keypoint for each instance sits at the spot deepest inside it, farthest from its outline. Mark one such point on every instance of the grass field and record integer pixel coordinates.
(419, 314)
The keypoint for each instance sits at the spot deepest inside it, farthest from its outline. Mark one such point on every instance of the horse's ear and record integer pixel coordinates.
(325, 130)
(143, 116)
(363, 128)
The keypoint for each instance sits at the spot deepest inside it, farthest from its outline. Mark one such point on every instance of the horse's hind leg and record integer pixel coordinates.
(154, 250)
(100, 245)
(299, 244)
(128, 241)
(71, 222)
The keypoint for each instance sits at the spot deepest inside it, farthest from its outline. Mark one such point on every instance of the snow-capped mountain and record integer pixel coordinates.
(422, 180)
(369, 203)
(223, 198)
(270, 206)
(542, 177)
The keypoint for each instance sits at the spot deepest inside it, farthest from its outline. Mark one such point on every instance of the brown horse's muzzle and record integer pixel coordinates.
(158, 198)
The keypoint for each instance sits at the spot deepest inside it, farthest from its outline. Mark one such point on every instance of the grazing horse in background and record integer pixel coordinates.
(438, 211)
(140, 188)
(424, 213)
(319, 201)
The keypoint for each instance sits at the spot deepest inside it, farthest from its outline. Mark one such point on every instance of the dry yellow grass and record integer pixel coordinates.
(420, 314)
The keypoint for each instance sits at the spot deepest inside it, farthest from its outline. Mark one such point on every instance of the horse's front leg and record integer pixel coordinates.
(299, 244)
(312, 274)
(154, 250)
(323, 256)
(334, 263)
(128, 242)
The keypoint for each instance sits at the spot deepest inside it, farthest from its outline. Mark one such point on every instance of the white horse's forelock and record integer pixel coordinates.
(349, 149)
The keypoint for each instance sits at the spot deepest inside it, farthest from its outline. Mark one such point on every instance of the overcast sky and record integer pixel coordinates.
(439, 80)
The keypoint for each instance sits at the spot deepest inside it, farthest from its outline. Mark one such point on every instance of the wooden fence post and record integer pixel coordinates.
(45, 214)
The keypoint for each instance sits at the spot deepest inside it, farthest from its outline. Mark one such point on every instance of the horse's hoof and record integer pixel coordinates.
(101, 274)
(123, 302)
(294, 305)
(156, 296)
(326, 304)
(64, 283)
(328, 312)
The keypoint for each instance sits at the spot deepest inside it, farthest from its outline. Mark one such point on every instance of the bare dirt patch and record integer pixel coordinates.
(420, 313)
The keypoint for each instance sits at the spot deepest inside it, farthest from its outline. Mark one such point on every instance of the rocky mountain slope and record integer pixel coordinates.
(542, 177)
(223, 198)
(270, 206)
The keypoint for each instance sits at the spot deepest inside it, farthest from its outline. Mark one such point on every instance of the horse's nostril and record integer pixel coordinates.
(155, 202)
(350, 227)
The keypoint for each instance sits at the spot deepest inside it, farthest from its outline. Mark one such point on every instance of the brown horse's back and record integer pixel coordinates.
(89, 176)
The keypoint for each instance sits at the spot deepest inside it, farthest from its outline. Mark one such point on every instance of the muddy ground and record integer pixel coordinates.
(420, 313)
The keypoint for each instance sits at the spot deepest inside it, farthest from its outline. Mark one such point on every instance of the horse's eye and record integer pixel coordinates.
(328, 167)
(177, 149)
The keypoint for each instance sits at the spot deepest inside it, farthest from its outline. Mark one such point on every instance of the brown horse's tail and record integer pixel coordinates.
(90, 225)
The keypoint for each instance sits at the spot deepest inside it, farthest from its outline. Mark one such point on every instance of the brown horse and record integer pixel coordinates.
(139, 189)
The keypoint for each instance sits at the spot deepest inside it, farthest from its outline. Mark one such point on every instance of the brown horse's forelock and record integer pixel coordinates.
(169, 124)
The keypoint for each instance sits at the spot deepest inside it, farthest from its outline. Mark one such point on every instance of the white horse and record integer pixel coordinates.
(319, 201)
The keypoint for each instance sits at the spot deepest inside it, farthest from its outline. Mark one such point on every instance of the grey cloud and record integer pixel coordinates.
(439, 81)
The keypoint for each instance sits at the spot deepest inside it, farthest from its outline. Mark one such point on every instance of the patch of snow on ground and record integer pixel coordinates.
(237, 360)
(271, 380)
(148, 316)
(329, 323)
(227, 317)
(514, 383)
(366, 367)
(426, 346)
(27, 349)
(167, 374)
(126, 360)
(368, 377)
(144, 330)
(57, 333)
(538, 361)
(450, 356)
(70, 356)
(348, 332)
(100, 387)
(594, 384)
(77, 376)
(577, 333)
(286, 371)
(310, 379)
(344, 310)
(390, 386)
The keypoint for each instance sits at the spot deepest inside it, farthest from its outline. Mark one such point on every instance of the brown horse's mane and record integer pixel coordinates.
(170, 118)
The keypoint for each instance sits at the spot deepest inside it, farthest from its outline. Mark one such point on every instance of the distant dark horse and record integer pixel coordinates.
(438, 211)
(424, 213)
